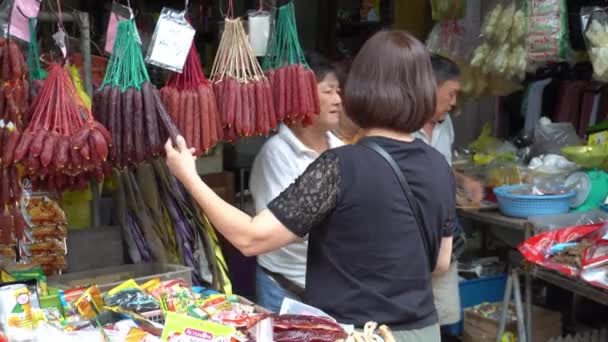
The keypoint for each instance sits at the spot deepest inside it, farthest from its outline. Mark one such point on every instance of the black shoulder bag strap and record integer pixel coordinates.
(405, 186)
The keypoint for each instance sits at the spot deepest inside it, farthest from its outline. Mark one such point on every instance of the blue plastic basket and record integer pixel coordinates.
(524, 206)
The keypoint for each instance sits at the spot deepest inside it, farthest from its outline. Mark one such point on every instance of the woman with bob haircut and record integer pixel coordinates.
(379, 213)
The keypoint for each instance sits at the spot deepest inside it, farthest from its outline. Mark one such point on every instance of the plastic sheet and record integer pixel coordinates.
(551, 137)
(259, 25)
(171, 41)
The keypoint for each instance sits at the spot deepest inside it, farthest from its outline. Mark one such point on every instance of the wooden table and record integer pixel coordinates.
(493, 217)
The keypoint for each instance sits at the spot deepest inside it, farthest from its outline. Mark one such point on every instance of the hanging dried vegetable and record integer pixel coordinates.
(243, 93)
(62, 146)
(293, 84)
(190, 100)
(130, 106)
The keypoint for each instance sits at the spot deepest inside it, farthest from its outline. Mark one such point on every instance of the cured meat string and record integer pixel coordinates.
(60, 122)
(14, 102)
(239, 84)
(190, 100)
(137, 119)
(289, 74)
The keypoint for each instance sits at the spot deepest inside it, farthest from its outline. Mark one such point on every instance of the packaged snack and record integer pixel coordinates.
(22, 272)
(129, 296)
(41, 248)
(8, 251)
(44, 233)
(183, 328)
(547, 39)
(68, 300)
(18, 302)
(42, 209)
(90, 303)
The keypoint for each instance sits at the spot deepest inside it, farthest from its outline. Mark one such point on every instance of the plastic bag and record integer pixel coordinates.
(258, 29)
(171, 41)
(547, 223)
(21, 11)
(130, 297)
(117, 14)
(503, 172)
(548, 38)
(596, 39)
(293, 307)
(488, 29)
(538, 249)
(550, 138)
(446, 39)
(448, 9)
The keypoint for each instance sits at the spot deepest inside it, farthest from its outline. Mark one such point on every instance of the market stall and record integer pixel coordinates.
(65, 143)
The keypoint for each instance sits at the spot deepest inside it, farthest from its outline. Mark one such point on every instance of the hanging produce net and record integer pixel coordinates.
(37, 72)
(243, 93)
(190, 100)
(62, 146)
(130, 105)
(294, 85)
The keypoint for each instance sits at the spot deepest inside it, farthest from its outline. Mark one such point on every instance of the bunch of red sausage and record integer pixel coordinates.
(190, 101)
(62, 146)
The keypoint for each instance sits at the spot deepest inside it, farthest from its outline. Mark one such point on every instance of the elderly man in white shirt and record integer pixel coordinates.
(439, 133)
(281, 160)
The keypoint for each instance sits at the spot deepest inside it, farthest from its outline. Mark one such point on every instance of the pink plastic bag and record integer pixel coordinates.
(21, 12)
(118, 13)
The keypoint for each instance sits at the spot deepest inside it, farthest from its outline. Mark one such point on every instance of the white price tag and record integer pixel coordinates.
(171, 41)
(59, 38)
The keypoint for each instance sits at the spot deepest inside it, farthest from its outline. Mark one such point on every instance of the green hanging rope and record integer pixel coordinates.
(126, 67)
(33, 56)
(284, 47)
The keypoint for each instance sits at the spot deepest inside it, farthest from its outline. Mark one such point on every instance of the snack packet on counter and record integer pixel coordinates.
(90, 303)
(130, 296)
(23, 272)
(19, 309)
(183, 328)
(68, 300)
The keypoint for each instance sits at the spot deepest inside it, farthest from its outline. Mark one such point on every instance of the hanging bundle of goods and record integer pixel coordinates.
(547, 39)
(161, 223)
(130, 106)
(500, 61)
(293, 84)
(243, 93)
(14, 102)
(596, 39)
(62, 146)
(190, 100)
